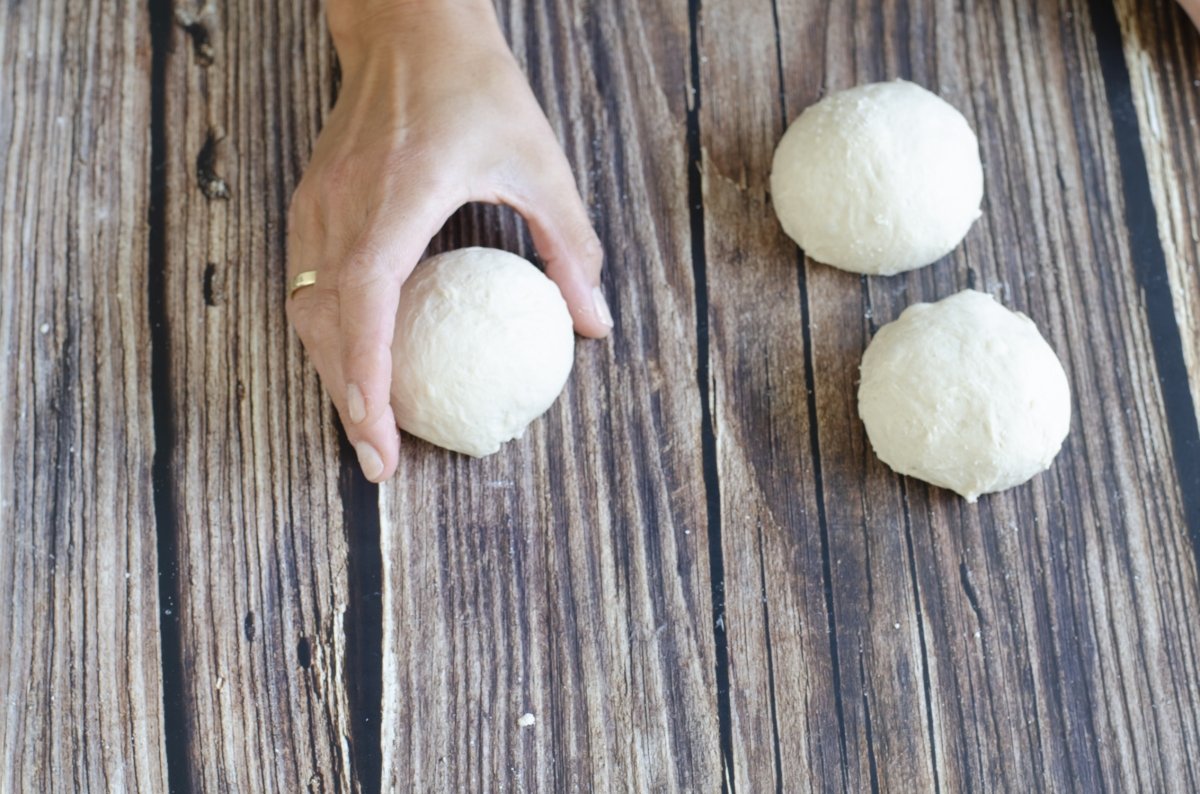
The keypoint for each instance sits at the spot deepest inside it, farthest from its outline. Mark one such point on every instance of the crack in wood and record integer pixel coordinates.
(176, 726)
(707, 399)
(211, 184)
(212, 290)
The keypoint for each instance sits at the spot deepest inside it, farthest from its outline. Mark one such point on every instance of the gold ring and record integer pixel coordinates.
(305, 279)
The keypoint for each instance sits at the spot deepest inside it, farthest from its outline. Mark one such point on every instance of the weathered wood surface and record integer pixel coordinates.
(1162, 50)
(255, 511)
(1042, 639)
(693, 572)
(568, 577)
(80, 684)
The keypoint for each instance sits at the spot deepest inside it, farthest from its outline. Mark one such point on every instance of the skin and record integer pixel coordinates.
(433, 113)
(1192, 7)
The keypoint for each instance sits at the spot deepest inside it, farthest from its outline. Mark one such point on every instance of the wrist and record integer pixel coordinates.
(362, 29)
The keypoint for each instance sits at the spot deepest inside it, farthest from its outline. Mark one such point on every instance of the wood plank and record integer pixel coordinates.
(568, 575)
(79, 675)
(1162, 51)
(254, 458)
(1040, 638)
(785, 707)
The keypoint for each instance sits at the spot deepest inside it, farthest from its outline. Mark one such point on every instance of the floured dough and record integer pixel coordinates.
(483, 346)
(965, 394)
(878, 179)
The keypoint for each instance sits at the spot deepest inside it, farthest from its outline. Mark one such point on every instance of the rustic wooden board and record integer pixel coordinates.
(568, 575)
(693, 571)
(784, 704)
(255, 507)
(1162, 50)
(1039, 639)
(80, 690)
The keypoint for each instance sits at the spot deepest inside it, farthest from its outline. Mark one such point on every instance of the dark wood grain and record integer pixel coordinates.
(693, 572)
(568, 575)
(80, 687)
(1033, 640)
(1162, 51)
(256, 505)
(785, 703)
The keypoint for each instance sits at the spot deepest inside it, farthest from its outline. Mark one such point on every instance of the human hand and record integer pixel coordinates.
(1192, 7)
(433, 113)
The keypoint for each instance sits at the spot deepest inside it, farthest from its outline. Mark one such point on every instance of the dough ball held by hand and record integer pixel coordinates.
(964, 394)
(483, 346)
(878, 179)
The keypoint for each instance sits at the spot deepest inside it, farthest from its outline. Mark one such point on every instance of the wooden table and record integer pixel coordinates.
(693, 572)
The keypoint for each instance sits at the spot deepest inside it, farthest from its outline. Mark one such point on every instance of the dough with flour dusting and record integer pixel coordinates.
(878, 179)
(483, 346)
(964, 394)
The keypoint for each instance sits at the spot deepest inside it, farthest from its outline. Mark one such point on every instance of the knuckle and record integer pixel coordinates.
(313, 316)
(365, 367)
(584, 249)
(367, 345)
(589, 246)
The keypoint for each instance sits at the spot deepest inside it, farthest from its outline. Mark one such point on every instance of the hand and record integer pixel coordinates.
(1192, 7)
(433, 113)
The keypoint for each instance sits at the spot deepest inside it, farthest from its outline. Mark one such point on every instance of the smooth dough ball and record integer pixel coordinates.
(965, 394)
(878, 179)
(483, 346)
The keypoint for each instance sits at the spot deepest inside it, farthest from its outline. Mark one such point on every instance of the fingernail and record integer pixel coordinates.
(601, 307)
(355, 403)
(369, 460)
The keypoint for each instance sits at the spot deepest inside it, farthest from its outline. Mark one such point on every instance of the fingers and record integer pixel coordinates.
(345, 321)
(376, 444)
(368, 294)
(314, 313)
(369, 280)
(566, 241)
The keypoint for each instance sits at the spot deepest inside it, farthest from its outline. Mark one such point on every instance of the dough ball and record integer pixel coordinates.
(878, 179)
(484, 344)
(965, 394)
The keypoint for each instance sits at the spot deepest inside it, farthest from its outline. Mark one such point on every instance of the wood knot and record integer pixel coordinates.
(198, 32)
(211, 185)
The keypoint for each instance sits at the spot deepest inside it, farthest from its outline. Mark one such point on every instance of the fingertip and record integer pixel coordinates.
(570, 248)
(378, 449)
(370, 460)
(601, 312)
(590, 314)
(576, 271)
(368, 293)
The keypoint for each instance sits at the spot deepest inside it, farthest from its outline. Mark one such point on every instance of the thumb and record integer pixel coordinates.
(368, 286)
(567, 243)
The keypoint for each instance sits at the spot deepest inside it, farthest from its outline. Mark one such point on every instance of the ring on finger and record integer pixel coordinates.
(300, 280)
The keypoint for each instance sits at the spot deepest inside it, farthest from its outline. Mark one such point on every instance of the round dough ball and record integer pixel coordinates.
(965, 394)
(483, 346)
(878, 179)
